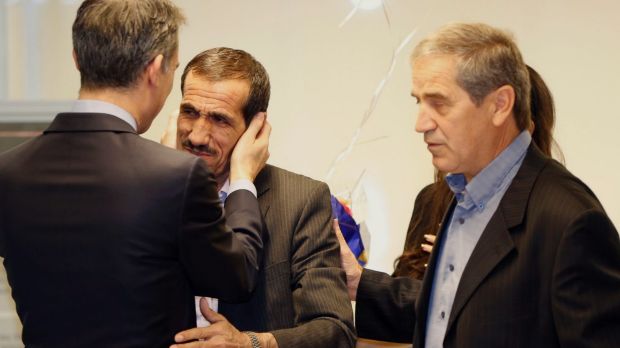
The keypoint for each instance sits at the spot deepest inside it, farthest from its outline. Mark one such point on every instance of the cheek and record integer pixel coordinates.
(228, 138)
(227, 145)
(184, 126)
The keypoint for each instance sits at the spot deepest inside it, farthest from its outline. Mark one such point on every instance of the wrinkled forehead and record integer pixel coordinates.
(434, 71)
(202, 92)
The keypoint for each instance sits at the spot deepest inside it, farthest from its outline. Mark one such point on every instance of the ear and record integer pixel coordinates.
(154, 70)
(75, 61)
(503, 100)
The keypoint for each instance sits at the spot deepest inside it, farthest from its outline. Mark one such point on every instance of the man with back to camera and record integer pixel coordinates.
(104, 234)
(526, 256)
(300, 300)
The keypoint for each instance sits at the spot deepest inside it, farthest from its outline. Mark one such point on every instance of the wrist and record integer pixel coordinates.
(260, 340)
(267, 340)
(353, 281)
(234, 175)
(253, 341)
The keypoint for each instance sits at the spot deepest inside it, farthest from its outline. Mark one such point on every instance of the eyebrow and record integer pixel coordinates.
(188, 105)
(432, 95)
(222, 115)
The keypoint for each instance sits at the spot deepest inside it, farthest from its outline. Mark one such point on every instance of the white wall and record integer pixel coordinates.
(323, 78)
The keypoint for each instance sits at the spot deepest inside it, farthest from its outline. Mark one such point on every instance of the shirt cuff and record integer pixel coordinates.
(242, 184)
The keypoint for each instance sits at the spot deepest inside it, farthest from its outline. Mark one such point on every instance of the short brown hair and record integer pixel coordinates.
(114, 40)
(223, 63)
(488, 58)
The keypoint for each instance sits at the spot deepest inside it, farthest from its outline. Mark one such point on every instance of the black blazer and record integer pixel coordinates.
(545, 273)
(106, 236)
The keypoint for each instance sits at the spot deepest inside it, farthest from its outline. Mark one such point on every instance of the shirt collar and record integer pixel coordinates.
(484, 185)
(226, 186)
(98, 106)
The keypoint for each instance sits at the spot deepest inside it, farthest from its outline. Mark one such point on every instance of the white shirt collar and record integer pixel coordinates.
(98, 106)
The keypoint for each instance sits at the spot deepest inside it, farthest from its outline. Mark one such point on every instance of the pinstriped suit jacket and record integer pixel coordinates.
(545, 273)
(301, 293)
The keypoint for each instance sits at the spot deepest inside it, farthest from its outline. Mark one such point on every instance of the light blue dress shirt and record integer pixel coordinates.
(477, 201)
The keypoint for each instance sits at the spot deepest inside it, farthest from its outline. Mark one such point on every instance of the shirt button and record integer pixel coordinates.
(443, 314)
(461, 221)
(451, 268)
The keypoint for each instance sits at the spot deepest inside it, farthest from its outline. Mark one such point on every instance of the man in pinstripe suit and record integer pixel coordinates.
(526, 255)
(301, 299)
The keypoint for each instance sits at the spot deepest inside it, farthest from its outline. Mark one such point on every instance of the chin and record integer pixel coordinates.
(442, 166)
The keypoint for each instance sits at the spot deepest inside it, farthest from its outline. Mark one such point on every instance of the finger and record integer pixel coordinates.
(195, 344)
(256, 124)
(169, 137)
(427, 247)
(174, 116)
(430, 238)
(209, 314)
(264, 133)
(194, 334)
(338, 232)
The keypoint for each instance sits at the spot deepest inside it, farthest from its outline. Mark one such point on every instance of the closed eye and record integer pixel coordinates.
(220, 119)
(188, 110)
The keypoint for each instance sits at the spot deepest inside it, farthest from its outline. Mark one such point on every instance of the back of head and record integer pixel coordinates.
(488, 58)
(223, 63)
(114, 40)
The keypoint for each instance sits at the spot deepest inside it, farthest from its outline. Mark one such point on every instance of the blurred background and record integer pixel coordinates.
(340, 106)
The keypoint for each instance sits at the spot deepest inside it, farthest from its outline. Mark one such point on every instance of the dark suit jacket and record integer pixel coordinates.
(545, 273)
(301, 292)
(105, 236)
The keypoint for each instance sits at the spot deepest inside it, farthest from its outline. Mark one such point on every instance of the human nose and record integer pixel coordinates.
(200, 133)
(424, 121)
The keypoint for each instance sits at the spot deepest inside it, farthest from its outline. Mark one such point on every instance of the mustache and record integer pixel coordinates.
(198, 148)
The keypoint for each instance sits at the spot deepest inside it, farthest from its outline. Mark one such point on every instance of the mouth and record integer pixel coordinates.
(197, 152)
(432, 147)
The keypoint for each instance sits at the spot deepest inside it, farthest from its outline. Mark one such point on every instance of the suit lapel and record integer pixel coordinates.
(496, 241)
(427, 284)
(494, 244)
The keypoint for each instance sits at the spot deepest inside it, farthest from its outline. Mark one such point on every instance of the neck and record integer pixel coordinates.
(499, 143)
(128, 99)
(506, 138)
(220, 180)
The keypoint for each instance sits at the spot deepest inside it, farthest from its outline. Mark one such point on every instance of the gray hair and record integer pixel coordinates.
(488, 58)
(114, 40)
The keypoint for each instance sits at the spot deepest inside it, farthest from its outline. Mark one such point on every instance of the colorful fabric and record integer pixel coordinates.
(350, 229)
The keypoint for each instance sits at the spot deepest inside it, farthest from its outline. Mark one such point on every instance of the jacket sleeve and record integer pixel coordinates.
(586, 283)
(323, 312)
(220, 253)
(385, 307)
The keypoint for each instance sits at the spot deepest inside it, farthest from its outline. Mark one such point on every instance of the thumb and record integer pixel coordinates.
(338, 233)
(209, 314)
